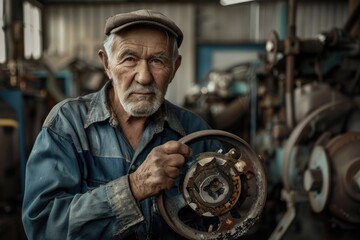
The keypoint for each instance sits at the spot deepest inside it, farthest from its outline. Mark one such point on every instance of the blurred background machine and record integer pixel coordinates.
(319, 131)
(301, 109)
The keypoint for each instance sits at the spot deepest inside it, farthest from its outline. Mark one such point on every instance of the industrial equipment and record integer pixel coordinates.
(302, 111)
(317, 127)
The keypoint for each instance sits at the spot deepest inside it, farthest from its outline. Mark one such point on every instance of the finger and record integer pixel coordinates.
(173, 160)
(173, 147)
(172, 172)
(158, 159)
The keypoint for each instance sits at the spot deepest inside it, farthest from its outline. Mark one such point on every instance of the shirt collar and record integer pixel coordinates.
(99, 108)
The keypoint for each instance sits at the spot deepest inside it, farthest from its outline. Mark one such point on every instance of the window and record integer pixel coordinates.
(2, 33)
(32, 31)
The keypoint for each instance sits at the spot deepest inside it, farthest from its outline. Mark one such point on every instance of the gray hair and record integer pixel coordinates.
(108, 45)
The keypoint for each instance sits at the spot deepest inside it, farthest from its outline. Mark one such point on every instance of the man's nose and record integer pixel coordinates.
(143, 73)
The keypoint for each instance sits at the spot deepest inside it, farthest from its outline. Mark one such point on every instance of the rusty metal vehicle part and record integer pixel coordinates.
(337, 165)
(230, 187)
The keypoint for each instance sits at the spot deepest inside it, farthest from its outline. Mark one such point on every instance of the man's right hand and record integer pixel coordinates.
(159, 170)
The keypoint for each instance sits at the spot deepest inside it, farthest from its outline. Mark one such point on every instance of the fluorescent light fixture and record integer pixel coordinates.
(231, 2)
(32, 31)
(2, 34)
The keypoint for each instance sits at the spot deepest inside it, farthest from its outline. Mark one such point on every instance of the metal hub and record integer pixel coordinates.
(212, 186)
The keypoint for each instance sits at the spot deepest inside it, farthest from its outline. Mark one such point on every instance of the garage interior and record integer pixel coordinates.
(283, 75)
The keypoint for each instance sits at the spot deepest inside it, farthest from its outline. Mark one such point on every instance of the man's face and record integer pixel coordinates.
(142, 65)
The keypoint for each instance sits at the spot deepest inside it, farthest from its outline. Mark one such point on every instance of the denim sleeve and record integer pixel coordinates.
(54, 206)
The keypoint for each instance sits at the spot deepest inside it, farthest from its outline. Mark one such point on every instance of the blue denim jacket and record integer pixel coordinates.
(77, 173)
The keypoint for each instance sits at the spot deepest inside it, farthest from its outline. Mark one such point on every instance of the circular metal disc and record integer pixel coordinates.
(250, 208)
(319, 161)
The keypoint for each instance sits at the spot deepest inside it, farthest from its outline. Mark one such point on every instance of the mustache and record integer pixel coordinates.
(136, 88)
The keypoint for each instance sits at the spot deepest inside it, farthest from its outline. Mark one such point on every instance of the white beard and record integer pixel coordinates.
(142, 106)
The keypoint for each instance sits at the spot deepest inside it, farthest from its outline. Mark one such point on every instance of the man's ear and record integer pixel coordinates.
(177, 65)
(104, 59)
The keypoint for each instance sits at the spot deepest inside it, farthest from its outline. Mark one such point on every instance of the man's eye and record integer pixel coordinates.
(129, 59)
(157, 61)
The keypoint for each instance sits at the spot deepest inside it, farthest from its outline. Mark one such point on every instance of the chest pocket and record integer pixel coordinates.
(101, 170)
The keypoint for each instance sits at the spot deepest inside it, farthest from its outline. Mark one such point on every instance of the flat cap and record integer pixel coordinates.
(148, 17)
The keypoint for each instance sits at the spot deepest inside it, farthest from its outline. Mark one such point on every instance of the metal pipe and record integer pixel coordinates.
(289, 95)
(290, 62)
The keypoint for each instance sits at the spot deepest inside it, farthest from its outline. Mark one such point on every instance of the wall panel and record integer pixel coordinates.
(238, 23)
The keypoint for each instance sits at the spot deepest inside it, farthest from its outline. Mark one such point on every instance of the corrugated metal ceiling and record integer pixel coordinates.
(159, 1)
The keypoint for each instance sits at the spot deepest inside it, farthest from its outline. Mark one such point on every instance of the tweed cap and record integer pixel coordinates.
(143, 17)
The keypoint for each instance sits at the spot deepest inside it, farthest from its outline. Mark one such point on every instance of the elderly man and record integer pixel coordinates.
(100, 160)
